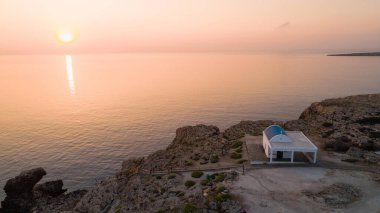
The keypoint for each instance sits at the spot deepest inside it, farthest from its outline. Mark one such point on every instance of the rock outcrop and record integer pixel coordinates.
(19, 191)
(247, 127)
(189, 135)
(347, 125)
(24, 182)
(23, 195)
(343, 123)
(58, 203)
(134, 189)
(159, 193)
(51, 188)
(201, 140)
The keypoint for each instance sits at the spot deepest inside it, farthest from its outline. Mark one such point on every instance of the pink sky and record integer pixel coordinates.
(30, 26)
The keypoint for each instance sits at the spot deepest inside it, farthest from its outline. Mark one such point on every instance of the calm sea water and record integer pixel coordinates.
(79, 116)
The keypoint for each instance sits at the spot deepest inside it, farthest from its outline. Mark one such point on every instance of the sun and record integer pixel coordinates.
(66, 37)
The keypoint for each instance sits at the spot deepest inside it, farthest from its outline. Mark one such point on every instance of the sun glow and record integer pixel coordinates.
(66, 37)
(70, 75)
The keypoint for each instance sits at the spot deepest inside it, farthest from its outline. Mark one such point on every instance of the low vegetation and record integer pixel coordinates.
(189, 208)
(237, 144)
(188, 163)
(205, 182)
(196, 174)
(219, 196)
(214, 158)
(235, 155)
(189, 183)
(171, 176)
(218, 177)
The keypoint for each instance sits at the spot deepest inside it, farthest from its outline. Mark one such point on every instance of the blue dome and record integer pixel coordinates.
(274, 130)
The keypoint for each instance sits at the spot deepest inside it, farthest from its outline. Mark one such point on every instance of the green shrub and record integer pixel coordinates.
(241, 161)
(205, 182)
(196, 156)
(118, 208)
(237, 144)
(218, 177)
(239, 150)
(189, 183)
(221, 197)
(214, 158)
(220, 189)
(188, 163)
(189, 208)
(235, 155)
(158, 177)
(196, 174)
(171, 176)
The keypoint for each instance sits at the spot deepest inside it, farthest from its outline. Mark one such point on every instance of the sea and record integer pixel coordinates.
(80, 115)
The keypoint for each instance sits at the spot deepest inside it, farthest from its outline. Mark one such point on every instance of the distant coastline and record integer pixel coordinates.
(357, 54)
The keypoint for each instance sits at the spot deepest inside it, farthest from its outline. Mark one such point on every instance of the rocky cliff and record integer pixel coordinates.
(346, 125)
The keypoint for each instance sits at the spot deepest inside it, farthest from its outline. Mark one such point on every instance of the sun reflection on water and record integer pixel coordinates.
(70, 76)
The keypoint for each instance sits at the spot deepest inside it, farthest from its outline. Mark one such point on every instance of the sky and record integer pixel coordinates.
(99, 26)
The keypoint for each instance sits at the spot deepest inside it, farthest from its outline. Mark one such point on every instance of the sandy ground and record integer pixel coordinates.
(280, 189)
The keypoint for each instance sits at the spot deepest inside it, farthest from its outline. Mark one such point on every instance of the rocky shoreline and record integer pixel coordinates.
(181, 177)
(357, 54)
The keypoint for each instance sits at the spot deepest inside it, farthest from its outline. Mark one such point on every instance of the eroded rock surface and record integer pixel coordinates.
(19, 191)
(23, 195)
(347, 125)
(247, 127)
(337, 195)
(344, 123)
(51, 188)
(24, 182)
(200, 142)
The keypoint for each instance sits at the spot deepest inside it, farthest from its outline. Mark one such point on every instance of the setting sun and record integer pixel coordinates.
(66, 37)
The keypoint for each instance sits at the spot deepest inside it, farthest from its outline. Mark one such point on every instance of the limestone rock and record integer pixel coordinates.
(193, 134)
(343, 123)
(247, 127)
(24, 182)
(52, 188)
(59, 203)
(19, 191)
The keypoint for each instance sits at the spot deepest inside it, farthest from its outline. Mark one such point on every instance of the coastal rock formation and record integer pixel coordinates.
(247, 127)
(147, 184)
(192, 143)
(51, 188)
(23, 195)
(160, 193)
(132, 166)
(189, 135)
(24, 182)
(19, 191)
(58, 203)
(344, 123)
(348, 125)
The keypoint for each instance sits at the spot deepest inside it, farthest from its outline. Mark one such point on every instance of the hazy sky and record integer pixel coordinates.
(31, 26)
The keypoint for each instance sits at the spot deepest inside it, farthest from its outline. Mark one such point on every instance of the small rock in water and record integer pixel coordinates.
(52, 188)
(24, 182)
